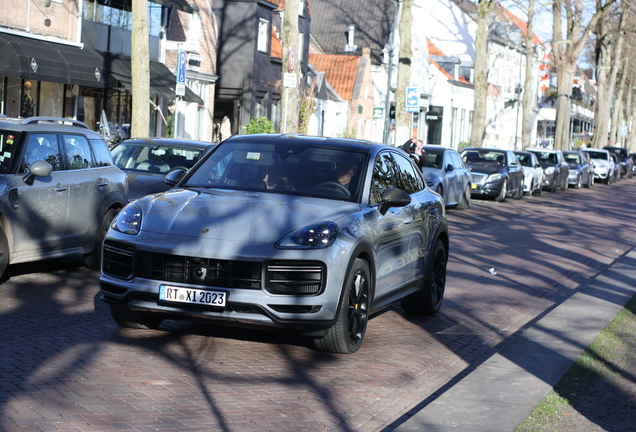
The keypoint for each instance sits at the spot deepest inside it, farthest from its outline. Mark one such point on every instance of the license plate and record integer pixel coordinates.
(192, 296)
(473, 186)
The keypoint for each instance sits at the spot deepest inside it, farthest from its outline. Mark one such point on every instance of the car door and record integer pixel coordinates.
(393, 228)
(461, 172)
(39, 207)
(85, 194)
(515, 171)
(450, 180)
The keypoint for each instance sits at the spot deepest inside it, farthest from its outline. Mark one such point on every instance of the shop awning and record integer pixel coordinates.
(39, 60)
(162, 81)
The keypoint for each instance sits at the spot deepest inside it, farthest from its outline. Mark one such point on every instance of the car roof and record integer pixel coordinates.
(484, 149)
(542, 149)
(433, 148)
(299, 139)
(175, 142)
(48, 124)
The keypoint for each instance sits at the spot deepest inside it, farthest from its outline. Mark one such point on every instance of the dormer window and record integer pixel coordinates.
(263, 36)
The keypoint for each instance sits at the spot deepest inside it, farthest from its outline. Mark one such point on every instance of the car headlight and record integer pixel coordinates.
(494, 178)
(128, 221)
(549, 170)
(315, 236)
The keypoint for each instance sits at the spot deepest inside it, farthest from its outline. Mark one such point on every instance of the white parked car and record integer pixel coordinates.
(603, 164)
(532, 172)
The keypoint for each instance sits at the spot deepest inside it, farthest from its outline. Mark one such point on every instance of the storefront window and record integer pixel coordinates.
(12, 108)
(51, 100)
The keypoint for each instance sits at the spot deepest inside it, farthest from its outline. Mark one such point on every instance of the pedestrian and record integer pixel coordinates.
(415, 149)
(27, 101)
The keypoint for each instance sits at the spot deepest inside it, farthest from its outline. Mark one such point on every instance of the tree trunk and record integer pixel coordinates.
(529, 89)
(484, 8)
(290, 96)
(617, 112)
(140, 70)
(403, 118)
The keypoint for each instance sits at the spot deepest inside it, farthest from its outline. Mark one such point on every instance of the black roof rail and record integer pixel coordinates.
(64, 121)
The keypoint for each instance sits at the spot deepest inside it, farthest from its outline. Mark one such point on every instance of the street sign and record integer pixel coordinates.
(289, 80)
(378, 113)
(181, 73)
(412, 99)
(624, 131)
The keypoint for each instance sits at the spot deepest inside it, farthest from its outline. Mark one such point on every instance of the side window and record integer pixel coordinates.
(410, 180)
(384, 177)
(456, 160)
(42, 147)
(101, 153)
(78, 152)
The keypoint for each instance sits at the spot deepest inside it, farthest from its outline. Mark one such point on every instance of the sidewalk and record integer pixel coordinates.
(503, 391)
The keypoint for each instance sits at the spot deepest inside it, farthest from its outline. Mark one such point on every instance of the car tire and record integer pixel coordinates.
(503, 194)
(555, 186)
(519, 194)
(465, 202)
(347, 334)
(578, 183)
(428, 299)
(94, 259)
(128, 319)
(4, 253)
(539, 190)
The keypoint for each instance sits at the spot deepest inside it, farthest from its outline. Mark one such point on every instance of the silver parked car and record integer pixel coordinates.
(146, 161)
(60, 190)
(446, 174)
(581, 172)
(532, 172)
(287, 232)
(603, 163)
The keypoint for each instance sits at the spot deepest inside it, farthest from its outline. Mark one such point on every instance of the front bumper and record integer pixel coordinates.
(260, 293)
(481, 187)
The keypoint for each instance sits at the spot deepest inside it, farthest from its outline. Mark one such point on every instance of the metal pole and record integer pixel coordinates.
(387, 103)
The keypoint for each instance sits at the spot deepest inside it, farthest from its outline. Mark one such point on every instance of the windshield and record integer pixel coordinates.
(546, 157)
(573, 159)
(154, 158)
(598, 155)
(8, 145)
(282, 168)
(488, 157)
(525, 160)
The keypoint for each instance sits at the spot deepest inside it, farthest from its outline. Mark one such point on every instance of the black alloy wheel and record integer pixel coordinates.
(346, 336)
(428, 299)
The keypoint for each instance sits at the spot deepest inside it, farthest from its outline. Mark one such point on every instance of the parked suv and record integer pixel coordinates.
(59, 190)
(626, 162)
(555, 168)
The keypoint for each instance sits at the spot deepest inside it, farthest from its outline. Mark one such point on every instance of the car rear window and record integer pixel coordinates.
(8, 144)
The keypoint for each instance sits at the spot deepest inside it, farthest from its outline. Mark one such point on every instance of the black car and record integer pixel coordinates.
(146, 161)
(555, 168)
(626, 162)
(617, 167)
(495, 173)
(581, 171)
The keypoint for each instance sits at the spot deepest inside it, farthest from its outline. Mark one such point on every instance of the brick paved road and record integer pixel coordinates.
(66, 366)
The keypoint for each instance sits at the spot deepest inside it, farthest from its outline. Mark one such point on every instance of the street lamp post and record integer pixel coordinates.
(390, 49)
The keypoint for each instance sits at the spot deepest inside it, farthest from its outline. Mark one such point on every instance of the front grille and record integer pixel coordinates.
(199, 271)
(125, 262)
(478, 178)
(297, 278)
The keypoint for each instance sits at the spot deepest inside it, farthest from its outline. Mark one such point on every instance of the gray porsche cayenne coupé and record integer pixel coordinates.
(286, 232)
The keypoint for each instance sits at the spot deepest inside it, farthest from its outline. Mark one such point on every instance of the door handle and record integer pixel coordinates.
(102, 182)
(61, 188)
(13, 198)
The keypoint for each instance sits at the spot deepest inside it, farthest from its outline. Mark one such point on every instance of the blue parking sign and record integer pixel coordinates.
(412, 99)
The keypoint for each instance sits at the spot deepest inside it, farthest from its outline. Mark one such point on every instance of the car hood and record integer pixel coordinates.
(486, 169)
(603, 162)
(140, 185)
(248, 217)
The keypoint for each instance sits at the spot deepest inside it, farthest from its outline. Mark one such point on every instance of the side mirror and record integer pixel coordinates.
(449, 168)
(173, 177)
(39, 168)
(393, 197)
